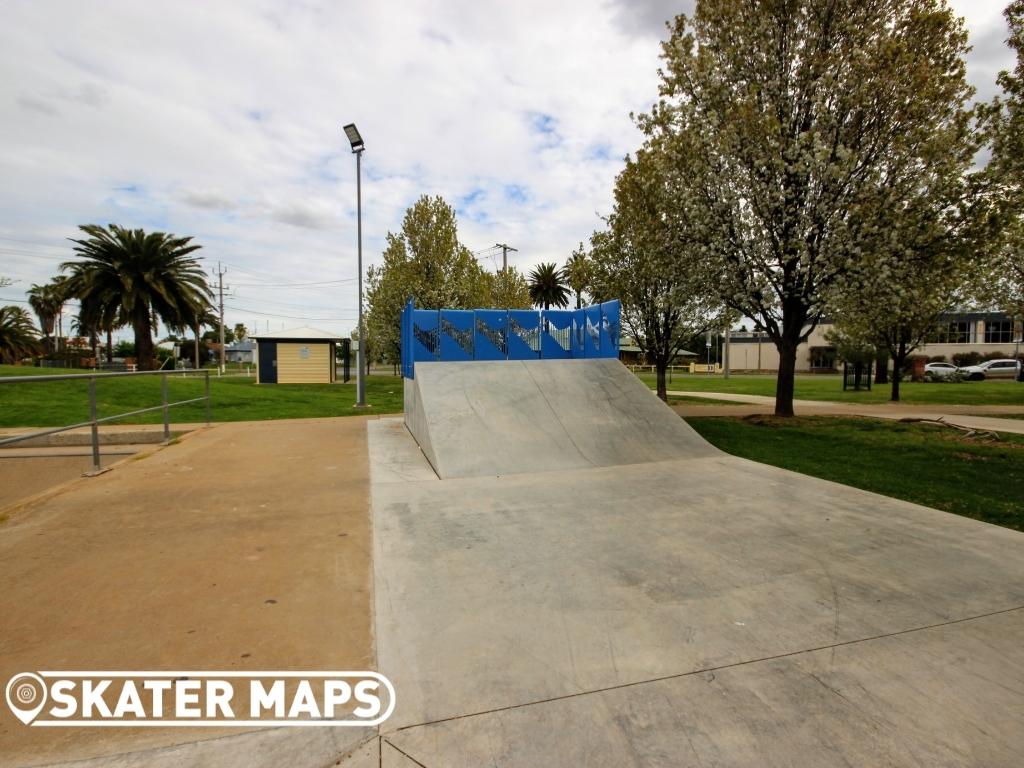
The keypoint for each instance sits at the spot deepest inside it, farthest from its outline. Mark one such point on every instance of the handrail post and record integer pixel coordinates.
(95, 427)
(167, 416)
(207, 396)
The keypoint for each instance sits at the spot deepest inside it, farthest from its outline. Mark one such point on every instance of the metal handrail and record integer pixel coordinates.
(95, 420)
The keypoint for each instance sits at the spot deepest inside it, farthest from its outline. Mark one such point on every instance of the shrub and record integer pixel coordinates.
(963, 359)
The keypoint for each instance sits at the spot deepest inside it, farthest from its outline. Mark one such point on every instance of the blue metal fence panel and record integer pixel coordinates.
(556, 334)
(516, 334)
(425, 331)
(491, 334)
(523, 334)
(457, 334)
(579, 329)
(592, 332)
(609, 346)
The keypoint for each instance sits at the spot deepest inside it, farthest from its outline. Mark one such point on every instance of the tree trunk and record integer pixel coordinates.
(786, 380)
(858, 375)
(661, 366)
(110, 345)
(195, 349)
(143, 340)
(882, 368)
(897, 372)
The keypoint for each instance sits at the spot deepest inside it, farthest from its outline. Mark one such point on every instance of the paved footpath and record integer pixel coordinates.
(246, 546)
(972, 416)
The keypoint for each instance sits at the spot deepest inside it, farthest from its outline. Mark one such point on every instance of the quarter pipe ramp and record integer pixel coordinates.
(490, 418)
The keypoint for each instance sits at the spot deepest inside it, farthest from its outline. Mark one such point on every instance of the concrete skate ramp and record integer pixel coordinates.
(477, 419)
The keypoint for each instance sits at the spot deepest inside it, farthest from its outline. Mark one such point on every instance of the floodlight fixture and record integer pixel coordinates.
(352, 134)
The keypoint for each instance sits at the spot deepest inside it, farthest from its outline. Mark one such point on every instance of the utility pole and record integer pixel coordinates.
(505, 248)
(220, 290)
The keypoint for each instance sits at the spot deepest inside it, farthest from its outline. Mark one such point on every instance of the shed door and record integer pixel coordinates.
(268, 362)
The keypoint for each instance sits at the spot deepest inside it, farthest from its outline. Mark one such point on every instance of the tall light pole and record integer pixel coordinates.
(352, 134)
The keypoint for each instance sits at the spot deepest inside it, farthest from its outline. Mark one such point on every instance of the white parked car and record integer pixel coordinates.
(940, 370)
(992, 369)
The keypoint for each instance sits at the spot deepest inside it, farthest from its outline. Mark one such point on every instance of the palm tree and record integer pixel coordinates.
(547, 286)
(18, 337)
(129, 275)
(47, 301)
(100, 308)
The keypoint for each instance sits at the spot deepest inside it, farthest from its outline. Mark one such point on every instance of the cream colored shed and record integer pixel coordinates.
(296, 356)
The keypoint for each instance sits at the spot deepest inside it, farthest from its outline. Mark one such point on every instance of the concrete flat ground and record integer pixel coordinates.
(703, 611)
(246, 546)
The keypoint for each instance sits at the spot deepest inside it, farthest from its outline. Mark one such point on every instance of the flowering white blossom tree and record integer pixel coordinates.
(816, 122)
(1005, 119)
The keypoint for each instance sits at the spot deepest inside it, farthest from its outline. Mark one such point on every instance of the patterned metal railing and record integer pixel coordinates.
(508, 334)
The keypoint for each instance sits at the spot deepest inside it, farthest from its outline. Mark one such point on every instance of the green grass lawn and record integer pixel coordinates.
(829, 387)
(235, 398)
(922, 463)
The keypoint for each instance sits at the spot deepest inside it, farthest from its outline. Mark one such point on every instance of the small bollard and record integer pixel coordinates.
(94, 427)
(167, 417)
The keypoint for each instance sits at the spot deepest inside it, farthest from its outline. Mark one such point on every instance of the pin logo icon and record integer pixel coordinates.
(26, 696)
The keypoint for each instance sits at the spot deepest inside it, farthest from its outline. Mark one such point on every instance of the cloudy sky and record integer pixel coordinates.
(223, 121)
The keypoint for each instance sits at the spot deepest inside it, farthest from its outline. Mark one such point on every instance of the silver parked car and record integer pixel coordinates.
(992, 369)
(940, 370)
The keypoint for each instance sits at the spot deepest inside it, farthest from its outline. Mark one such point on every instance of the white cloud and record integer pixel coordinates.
(223, 121)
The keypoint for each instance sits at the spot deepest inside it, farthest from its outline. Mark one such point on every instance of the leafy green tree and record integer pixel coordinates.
(124, 349)
(47, 301)
(649, 260)
(140, 277)
(18, 337)
(239, 332)
(578, 272)
(547, 286)
(424, 262)
(814, 123)
(507, 289)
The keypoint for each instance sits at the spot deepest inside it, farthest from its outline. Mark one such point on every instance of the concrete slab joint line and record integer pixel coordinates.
(702, 671)
(404, 759)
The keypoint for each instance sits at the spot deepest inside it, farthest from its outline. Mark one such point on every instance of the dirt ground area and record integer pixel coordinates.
(244, 547)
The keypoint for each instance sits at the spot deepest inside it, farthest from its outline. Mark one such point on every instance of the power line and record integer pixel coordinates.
(33, 254)
(290, 317)
(23, 301)
(293, 285)
(276, 303)
(33, 242)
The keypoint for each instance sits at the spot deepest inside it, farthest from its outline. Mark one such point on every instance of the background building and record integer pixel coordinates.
(988, 334)
(297, 356)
